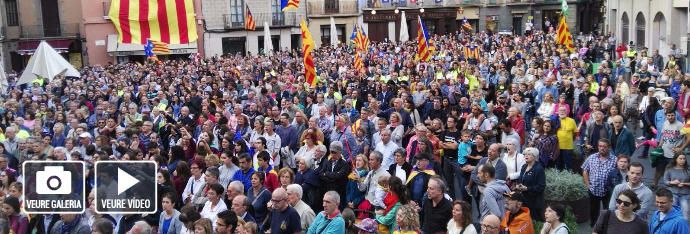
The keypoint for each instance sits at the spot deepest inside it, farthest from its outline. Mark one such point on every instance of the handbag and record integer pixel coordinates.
(655, 155)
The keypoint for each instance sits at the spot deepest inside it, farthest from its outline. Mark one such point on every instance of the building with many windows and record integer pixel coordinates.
(345, 14)
(224, 31)
(25, 23)
(655, 24)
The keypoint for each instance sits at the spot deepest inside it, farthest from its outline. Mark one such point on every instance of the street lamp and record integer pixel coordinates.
(421, 10)
(396, 11)
(373, 12)
(421, 4)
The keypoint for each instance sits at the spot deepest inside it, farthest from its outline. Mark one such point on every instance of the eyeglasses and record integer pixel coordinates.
(488, 227)
(625, 203)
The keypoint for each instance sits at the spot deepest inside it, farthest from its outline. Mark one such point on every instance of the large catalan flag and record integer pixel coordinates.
(423, 50)
(169, 21)
(249, 24)
(564, 37)
(359, 64)
(361, 39)
(289, 4)
(308, 49)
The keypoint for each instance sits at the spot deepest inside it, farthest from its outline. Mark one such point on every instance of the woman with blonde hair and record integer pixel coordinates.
(353, 196)
(286, 177)
(408, 220)
(397, 128)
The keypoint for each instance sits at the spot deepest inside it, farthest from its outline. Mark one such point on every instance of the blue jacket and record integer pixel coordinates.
(672, 223)
(625, 143)
(326, 225)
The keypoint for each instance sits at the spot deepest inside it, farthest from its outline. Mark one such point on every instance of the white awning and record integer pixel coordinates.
(117, 49)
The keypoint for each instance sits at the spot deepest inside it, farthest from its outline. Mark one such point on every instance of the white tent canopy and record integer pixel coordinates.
(268, 43)
(47, 63)
(404, 35)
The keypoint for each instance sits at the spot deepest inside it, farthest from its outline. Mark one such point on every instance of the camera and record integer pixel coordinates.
(53, 180)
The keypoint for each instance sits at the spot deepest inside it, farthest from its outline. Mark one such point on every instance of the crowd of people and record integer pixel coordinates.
(457, 144)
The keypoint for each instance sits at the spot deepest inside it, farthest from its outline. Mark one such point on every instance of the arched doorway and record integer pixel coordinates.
(640, 30)
(659, 31)
(625, 28)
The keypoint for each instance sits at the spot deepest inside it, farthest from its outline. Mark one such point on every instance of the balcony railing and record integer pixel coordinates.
(273, 19)
(39, 31)
(332, 7)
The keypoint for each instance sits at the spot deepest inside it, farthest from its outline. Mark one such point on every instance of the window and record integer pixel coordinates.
(277, 16)
(237, 13)
(326, 33)
(331, 6)
(12, 14)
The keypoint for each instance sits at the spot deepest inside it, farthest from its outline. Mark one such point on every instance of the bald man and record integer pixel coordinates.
(491, 224)
(622, 140)
(284, 218)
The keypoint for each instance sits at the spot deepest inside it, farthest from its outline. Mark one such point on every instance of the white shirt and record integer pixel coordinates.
(513, 165)
(193, 187)
(387, 151)
(400, 173)
(212, 213)
(272, 146)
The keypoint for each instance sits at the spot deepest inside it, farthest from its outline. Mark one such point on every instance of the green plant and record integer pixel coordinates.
(564, 186)
(569, 221)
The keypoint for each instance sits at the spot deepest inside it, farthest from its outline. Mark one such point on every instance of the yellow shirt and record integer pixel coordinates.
(566, 134)
(404, 232)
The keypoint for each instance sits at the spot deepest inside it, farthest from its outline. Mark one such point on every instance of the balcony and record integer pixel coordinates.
(285, 19)
(327, 7)
(39, 31)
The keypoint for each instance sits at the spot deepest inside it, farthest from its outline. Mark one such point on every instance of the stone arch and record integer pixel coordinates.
(640, 30)
(625, 28)
(658, 31)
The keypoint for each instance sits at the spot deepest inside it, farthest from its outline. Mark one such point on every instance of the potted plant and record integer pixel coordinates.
(567, 188)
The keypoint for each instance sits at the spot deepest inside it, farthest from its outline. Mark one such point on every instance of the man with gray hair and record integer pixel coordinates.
(306, 214)
(334, 170)
(240, 205)
(235, 189)
(386, 147)
(368, 185)
(11, 144)
(141, 227)
(319, 158)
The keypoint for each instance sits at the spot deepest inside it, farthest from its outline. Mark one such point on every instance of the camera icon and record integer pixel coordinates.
(53, 180)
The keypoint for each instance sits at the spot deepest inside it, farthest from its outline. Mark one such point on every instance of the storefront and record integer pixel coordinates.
(134, 52)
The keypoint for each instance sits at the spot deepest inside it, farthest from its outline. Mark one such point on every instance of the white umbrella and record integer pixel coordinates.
(404, 35)
(268, 45)
(334, 33)
(47, 63)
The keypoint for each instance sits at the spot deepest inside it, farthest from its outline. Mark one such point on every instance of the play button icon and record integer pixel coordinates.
(125, 181)
(126, 187)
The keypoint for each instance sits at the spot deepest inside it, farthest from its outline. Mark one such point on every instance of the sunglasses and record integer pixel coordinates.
(625, 203)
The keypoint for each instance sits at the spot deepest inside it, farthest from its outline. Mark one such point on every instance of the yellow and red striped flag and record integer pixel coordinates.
(423, 50)
(250, 24)
(308, 48)
(564, 37)
(359, 64)
(160, 47)
(169, 21)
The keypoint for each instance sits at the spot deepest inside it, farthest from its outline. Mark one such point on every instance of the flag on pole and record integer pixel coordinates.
(152, 48)
(423, 50)
(466, 24)
(307, 48)
(353, 36)
(250, 24)
(359, 64)
(289, 4)
(564, 37)
(169, 21)
(564, 7)
(361, 40)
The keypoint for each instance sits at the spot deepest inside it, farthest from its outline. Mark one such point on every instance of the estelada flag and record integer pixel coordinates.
(308, 48)
(168, 21)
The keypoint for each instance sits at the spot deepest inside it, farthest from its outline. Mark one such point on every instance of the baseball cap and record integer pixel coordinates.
(516, 196)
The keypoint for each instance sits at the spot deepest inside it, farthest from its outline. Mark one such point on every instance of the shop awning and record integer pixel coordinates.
(117, 49)
(28, 47)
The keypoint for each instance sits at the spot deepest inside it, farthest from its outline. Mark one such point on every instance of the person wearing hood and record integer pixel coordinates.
(635, 174)
(668, 219)
(492, 199)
